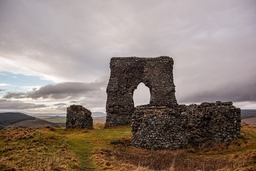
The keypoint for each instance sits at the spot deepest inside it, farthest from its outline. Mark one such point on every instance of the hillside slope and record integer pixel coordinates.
(13, 117)
(16, 119)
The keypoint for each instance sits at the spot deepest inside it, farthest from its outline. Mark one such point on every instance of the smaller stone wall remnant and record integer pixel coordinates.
(79, 117)
(217, 122)
(161, 127)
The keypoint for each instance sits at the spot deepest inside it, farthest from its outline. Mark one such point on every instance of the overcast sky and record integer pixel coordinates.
(54, 53)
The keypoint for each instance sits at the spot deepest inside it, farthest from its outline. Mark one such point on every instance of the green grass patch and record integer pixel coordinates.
(84, 142)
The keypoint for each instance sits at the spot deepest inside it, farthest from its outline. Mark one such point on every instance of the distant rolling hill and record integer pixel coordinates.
(98, 117)
(16, 119)
(13, 117)
(248, 116)
(62, 119)
(248, 113)
(98, 114)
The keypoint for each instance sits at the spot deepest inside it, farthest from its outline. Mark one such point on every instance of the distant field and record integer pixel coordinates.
(250, 121)
(62, 120)
(100, 120)
(54, 119)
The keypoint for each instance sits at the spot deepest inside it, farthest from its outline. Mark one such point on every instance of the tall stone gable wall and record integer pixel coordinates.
(126, 74)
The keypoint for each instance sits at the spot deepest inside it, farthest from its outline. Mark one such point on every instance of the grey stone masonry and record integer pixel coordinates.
(163, 124)
(126, 74)
(79, 117)
(161, 127)
(158, 127)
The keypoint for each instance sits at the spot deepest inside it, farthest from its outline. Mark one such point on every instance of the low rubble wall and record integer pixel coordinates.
(161, 127)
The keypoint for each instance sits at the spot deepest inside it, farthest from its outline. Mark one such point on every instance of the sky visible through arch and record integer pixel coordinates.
(141, 95)
(57, 53)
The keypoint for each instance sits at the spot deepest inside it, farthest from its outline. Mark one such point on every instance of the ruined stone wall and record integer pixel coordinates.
(163, 124)
(126, 74)
(158, 127)
(161, 127)
(79, 117)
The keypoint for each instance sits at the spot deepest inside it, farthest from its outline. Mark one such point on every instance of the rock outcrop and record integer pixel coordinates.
(79, 117)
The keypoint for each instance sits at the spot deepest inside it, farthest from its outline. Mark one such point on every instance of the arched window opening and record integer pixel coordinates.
(141, 95)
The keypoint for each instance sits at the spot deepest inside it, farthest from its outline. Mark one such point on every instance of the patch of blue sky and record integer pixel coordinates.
(19, 82)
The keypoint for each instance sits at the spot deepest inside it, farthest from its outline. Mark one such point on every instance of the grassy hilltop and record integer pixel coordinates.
(51, 148)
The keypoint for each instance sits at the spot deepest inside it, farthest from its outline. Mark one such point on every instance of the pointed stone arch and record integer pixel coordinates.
(142, 91)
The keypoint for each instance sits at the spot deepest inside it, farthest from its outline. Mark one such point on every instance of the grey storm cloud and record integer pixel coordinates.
(82, 36)
(74, 101)
(16, 95)
(231, 92)
(58, 91)
(18, 105)
(212, 43)
(60, 104)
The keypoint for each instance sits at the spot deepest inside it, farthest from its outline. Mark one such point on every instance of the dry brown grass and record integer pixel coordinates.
(238, 155)
(32, 149)
(108, 149)
(132, 158)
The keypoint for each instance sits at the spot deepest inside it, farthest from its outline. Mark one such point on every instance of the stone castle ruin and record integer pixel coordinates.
(163, 124)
